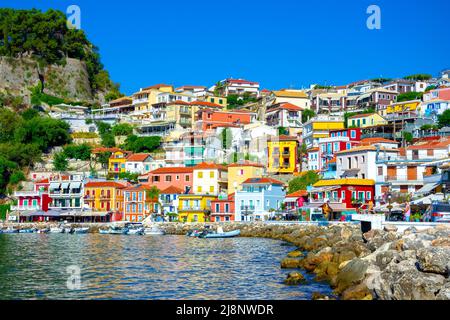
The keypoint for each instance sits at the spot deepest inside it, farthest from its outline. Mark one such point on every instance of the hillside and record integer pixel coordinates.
(37, 50)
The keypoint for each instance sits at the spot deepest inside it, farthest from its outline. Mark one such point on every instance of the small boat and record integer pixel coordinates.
(103, 231)
(135, 228)
(229, 234)
(57, 230)
(10, 230)
(114, 230)
(194, 233)
(45, 230)
(30, 230)
(154, 231)
(68, 230)
(81, 230)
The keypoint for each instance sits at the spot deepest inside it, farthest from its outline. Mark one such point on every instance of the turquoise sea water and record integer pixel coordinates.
(34, 266)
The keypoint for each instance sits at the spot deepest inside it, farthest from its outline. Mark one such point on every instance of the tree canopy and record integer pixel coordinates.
(444, 119)
(303, 181)
(141, 144)
(419, 77)
(408, 96)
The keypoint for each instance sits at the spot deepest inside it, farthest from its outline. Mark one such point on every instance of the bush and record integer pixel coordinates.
(122, 129)
(303, 181)
(80, 152)
(60, 162)
(141, 144)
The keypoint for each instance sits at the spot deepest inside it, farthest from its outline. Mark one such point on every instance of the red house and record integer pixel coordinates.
(354, 134)
(209, 119)
(295, 200)
(180, 177)
(36, 200)
(223, 209)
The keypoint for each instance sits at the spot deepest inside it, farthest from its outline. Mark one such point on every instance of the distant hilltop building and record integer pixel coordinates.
(237, 86)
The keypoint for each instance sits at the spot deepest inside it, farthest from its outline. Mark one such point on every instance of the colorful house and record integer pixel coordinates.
(66, 192)
(180, 177)
(34, 200)
(169, 199)
(295, 200)
(259, 199)
(320, 127)
(222, 209)
(116, 163)
(239, 172)
(282, 154)
(343, 194)
(138, 203)
(138, 163)
(194, 207)
(295, 97)
(366, 120)
(286, 115)
(210, 178)
(209, 119)
(103, 196)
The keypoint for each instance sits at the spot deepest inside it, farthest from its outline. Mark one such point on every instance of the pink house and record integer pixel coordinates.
(295, 200)
(180, 177)
(223, 209)
(35, 200)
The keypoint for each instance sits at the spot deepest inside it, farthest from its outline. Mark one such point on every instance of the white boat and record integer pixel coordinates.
(57, 230)
(138, 231)
(80, 230)
(45, 230)
(229, 234)
(154, 231)
(68, 230)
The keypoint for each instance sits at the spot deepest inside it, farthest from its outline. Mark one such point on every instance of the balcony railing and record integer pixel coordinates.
(191, 208)
(250, 208)
(332, 200)
(24, 208)
(402, 178)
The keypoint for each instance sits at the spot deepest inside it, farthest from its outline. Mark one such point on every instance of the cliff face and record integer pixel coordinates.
(69, 81)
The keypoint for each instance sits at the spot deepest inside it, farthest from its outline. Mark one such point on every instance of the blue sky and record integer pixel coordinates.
(280, 43)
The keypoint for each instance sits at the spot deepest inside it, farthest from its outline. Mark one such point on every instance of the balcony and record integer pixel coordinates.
(249, 208)
(402, 179)
(27, 194)
(332, 200)
(56, 194)
(25, 208)
(192, 209)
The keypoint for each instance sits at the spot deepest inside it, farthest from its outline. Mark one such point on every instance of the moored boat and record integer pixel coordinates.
(57, 230)
(29, 230)
(45, 230)
(81, 230)
(229, 234)
(154, 231)
(10, 230)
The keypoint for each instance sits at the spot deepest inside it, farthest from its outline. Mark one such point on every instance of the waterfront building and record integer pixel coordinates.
(116, 163)
(222, 209)
(259, 199)
(169, 199)
(297, 98)
(139, 203)
(36, 199)
(295, 200)
(282, 154)
(66, 192)
(343, 195)
(366, 120)
(320, 127)
(286, 115)
(194, 207)
(242, 171)
(104, 196)
(210, 179)
(163, 178)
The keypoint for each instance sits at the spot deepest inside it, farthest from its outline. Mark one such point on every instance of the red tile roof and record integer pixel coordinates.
(287, 138)
(263, 181)
(297, 194)
(431, 145)
(42, 181)
(172, 170)
(210, 165)
(184, 103)
(285, 106)
(369, 141)
(157, 86)
(172, 190)
(138, 157)
(206, 104)
(101, 184)
(240, 81)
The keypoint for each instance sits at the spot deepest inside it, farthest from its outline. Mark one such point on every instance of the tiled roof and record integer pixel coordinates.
(290, 94)
(209, 165)
(205, 104)
(431, 145)
(285, 106)
(297, 194)
(362, 115)
(287, 138)
(172, 190)
(369, 141)
(157, 86)
(365, 148)
(246, 164)
(100, 184)
(263, 181)
(172, 170)
(180, 102)
(347, 182)
(42, 181)
(240, 81)
(138, 157)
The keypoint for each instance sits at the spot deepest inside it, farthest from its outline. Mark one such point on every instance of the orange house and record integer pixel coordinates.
(209, 119)
(138, 204)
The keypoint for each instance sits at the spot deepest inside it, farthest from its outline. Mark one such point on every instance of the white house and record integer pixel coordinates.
(138, 163)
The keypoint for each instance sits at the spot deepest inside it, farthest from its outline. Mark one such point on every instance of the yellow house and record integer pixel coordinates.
(239, 172)
(104, 196)
(116, 163)
(209, 178)
(296, 97)
(194, 207)
(319, 127)
(221, 101)
(146, 97)
(282, 154)
(403, 107)
(180, 112)
(366, 120)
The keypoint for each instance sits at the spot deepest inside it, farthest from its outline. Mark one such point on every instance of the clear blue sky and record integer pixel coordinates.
(280, 43)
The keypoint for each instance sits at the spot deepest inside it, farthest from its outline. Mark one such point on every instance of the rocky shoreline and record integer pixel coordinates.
(385, 265)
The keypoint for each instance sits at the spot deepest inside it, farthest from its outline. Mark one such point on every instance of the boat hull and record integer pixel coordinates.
(229, 234)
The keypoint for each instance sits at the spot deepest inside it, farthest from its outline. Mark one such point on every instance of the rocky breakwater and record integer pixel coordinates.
(380, 264)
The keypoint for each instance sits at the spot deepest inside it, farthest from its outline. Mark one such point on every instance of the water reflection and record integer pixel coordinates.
(33, 266)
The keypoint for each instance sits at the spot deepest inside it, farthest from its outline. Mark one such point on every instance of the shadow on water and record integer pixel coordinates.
(33, 266)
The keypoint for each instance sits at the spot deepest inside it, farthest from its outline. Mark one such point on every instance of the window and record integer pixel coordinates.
(343, 195)
(361, 195)
(128, 208)
(353, 134)
(140, 207)
(134, 207)
(241, 172)
(186, 177)
(380, 171)
(364, 121)
(217, 207)
(200, 175)
(369, 195)
(168, 178)
(211, 189)
(211, 174)
(140, 196)
(177, 178)
(199, 189)
(227, 207)
(134, 196)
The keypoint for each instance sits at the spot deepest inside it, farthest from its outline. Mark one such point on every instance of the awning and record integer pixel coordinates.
(76, 185)
(65, 185)
(428, 188)
(54, 185)
(324, 189)
(311, 205)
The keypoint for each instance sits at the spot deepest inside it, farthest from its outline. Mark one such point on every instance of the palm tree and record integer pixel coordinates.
(153, 194)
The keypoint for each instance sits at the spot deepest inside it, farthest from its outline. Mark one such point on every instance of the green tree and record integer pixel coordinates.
(6, 170)
(408, 96)
(407, 136)
(444, 119)
(303, 181)
(122, 129)
(419, 77)
(80, 152)
(132, 177)
(29, 113)
(141, 144)
(307, 114)
(60, 162)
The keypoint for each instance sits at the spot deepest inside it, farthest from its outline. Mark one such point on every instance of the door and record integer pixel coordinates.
(412, 173)
(391, 173)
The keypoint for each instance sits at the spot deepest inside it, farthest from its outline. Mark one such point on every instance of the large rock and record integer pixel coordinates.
(291, 263)
(351, 274)
(295, 254)
(294, 278)
(441, 242)
(434, 260)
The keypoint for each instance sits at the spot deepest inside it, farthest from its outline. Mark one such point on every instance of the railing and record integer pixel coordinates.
(402, 178)
(191, 208)
(16, 208)
(332, 200)
(65, 194)
(250, 208)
